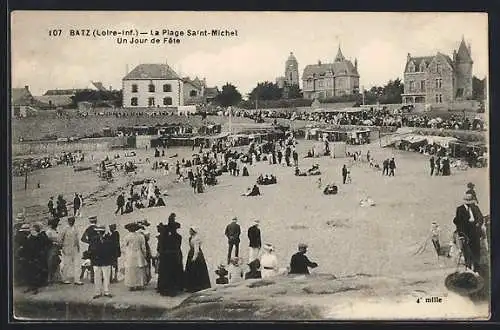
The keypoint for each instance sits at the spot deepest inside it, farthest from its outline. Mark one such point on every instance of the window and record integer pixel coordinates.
(438, 67)
(151, 102)
(437, 98)
(440, 98)
(134, 88)
(412, 85)
(320, 83)
(167, 88)
(151, 88)
(422, 85)
(422, 67)
(167, 101)
(133, 101)
(411, 67)
(439, 82)
(192, 93)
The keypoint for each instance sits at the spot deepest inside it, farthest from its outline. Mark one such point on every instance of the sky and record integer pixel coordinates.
(379, 41)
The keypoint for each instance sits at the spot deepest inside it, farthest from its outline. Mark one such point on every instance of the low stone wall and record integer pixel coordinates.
(52, 147)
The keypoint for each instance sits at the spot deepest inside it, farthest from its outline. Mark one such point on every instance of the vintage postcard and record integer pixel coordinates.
(250, 166)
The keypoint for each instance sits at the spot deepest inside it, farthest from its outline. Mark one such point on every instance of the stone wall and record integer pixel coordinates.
(52, 147)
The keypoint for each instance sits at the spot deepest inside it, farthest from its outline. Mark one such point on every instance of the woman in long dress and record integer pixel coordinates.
(54, 253)
(196, 275)
(170, 273)
(134, 245)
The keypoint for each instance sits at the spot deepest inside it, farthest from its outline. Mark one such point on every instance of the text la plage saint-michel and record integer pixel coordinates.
(134, 36)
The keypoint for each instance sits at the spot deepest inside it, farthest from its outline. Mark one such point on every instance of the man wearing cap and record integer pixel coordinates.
(255, 241)
(101, 256)
(70, 253)
(299, 263)
(468, 221)
(233, 232)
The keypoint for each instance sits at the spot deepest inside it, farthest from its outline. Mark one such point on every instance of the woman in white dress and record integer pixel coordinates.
(268, 262)
(134, 245)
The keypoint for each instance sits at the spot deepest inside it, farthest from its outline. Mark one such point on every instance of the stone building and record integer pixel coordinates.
(439, 79)
(159, 86)
(325, 80)
(291, 76)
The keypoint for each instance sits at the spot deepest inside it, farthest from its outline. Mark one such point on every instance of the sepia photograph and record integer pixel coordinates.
(249, 166)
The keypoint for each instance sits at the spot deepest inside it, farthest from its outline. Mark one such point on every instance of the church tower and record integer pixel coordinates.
(463, 71)
(292, 71)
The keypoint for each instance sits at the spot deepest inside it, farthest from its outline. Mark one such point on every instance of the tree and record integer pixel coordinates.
(98, 97)
(228, 96)
(266, 91)
(387, 94)
(294, 92)
(478, 87)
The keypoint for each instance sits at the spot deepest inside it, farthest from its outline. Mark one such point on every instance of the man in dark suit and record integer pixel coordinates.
(431, 161)
(385, 170)
(89, 237)
(392, 166)
(300, 263)
(468, 221)
(120, 203)
(344, 173)
(255, 241)
(233, 232)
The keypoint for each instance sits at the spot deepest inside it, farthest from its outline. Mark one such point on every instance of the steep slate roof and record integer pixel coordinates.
(463, 53)
(152, 71)
(197, 83)
(427, 60)
(417, 60)
(99, 86)
(338, 69)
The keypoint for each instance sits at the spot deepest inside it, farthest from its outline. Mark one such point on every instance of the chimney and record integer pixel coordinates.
(468, 46)
(319, 62)
(356, 63)
(26, 87)
(454, 56)
(408, 57)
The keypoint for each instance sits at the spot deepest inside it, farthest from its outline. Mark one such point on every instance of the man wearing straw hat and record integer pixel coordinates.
(101, 254)
(255, 241)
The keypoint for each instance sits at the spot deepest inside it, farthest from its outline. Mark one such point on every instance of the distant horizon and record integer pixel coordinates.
(379, 41)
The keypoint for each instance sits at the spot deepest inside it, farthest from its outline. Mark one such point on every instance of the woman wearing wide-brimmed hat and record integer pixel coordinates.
(170, 272)
(54, 253)
(268, 261)
(196, 275)
(134, 245)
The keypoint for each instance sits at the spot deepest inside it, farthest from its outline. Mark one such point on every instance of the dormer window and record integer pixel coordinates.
(411, 67)
(151, 87)
(422, 67)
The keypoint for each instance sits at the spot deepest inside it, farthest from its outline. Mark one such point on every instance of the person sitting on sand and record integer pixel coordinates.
(299, 264)
(299, 173)
(366, 202)
(235, 271)
(160, 202)
(222, 273)
(330, 189)
(254, 270)
(314, 170)
(151, 202)
(255, 191)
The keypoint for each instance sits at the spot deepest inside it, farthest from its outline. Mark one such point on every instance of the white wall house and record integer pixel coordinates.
(153, 86)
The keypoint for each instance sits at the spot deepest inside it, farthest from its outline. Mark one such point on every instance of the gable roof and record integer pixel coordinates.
(65, 92)
(21, 96)
(338, 68)
(196, 83)
(152, 71)
(417, 60)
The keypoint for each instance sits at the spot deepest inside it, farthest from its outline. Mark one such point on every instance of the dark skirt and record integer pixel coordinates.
(170, 273)
(196, 274)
